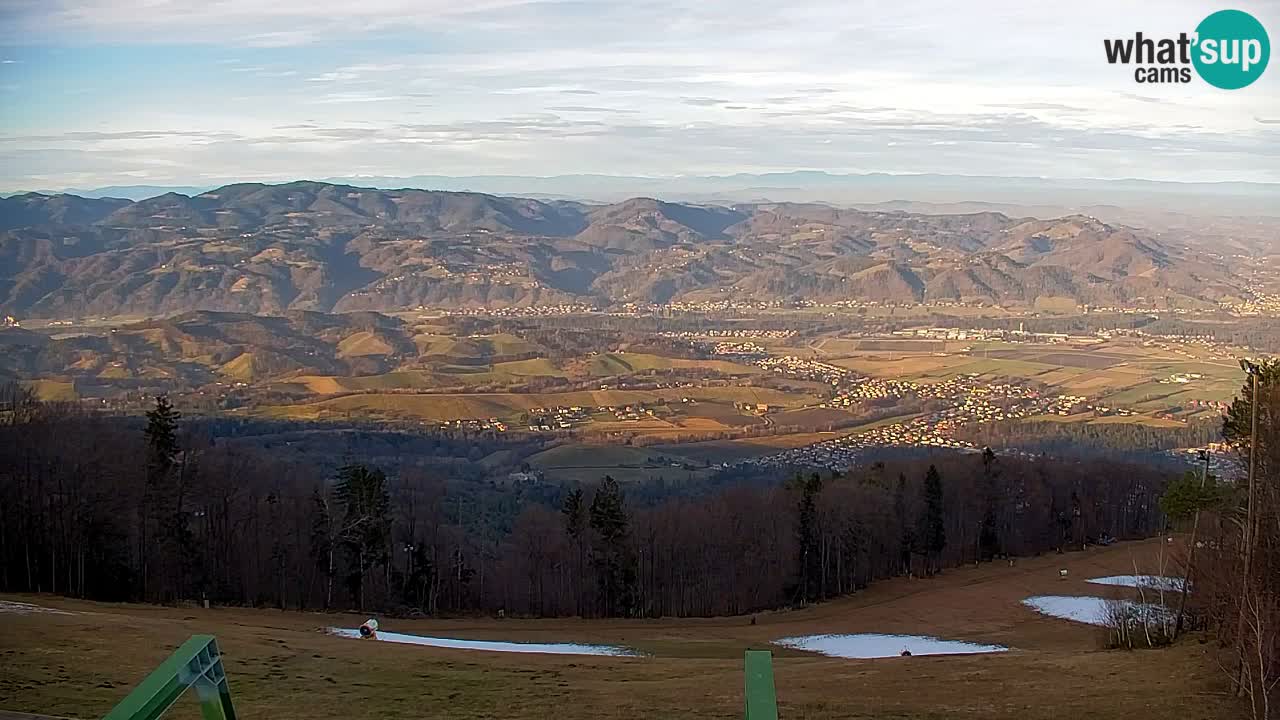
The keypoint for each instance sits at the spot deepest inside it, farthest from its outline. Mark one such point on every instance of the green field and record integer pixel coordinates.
(510, 406)
(609, 364)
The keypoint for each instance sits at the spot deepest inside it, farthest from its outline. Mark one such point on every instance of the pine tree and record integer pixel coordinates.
(933, 523)
(162, 438)
(810, 559)
(159, 521)
(613, 557)
(989, 541)
(362, 494)
(908, 540)
(575, 526)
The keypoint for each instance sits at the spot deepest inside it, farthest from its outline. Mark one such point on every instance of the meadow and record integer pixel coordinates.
(282, 665)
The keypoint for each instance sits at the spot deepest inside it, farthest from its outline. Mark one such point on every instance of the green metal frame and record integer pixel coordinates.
(762, 698)
(198, 664)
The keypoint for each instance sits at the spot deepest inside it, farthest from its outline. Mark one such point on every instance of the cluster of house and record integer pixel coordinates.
(523, 311)
(1262, 303)
(554, 419)
(738, 349)
(802, 369)
(734, 333)
(1181, 378)
(1210, 405)
(474, 425)
(886, 304)
(703, 306)
(557, 418)
(961, 389)
(1064, 405)
(840, 453)
(975, 401)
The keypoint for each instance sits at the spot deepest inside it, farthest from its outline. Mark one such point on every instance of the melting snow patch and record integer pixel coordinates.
(874, 645)
(20, 608)
(1154, 582)
(494, 646)
(1091, 610)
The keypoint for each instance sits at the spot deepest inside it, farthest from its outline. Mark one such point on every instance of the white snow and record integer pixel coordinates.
(875, 645)
(1154, 582)
(1089, 610)
(21, 608)
(494, 646)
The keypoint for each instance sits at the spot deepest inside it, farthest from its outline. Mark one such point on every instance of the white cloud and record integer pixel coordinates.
(652, 86)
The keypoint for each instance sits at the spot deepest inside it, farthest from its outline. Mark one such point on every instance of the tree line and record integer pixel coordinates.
(1233, 558)
(94, 507)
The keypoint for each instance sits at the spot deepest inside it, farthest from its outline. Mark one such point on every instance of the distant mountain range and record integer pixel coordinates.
(268, 249)
(1055, 196)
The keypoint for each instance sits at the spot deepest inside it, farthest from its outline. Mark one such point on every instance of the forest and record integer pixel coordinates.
(99, 508)
(1058, 438)
(109, 508)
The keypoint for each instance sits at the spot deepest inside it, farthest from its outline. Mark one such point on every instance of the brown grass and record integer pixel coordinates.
(281, 667)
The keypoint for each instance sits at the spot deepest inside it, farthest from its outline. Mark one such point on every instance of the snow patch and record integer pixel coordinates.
(1154, 582)
(21, 608)
(1091, 610)
(494, 646)
(876, 645)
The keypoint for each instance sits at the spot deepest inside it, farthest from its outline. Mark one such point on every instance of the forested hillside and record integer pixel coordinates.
(95, 508)
(268, 249)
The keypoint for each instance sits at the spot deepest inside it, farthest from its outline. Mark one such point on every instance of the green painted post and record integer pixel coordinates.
(762, 698)
(198, 664)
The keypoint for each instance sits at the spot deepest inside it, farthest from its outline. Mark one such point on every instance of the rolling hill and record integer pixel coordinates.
(310, 246)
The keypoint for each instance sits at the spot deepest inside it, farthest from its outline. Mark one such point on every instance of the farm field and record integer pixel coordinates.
(710, 402)
(282, 665)
(588, 463)
(1113, 373)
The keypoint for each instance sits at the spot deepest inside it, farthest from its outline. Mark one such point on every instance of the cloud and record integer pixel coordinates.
(552, 86)
(702, 101)
(588, 109)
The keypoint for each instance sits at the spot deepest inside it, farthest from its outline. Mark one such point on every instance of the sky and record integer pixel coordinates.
(174, 92)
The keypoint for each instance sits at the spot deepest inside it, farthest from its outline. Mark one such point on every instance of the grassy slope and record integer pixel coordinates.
(281, 667)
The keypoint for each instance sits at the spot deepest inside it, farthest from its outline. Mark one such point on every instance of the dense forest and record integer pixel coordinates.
(1088, 438)
(94, 507)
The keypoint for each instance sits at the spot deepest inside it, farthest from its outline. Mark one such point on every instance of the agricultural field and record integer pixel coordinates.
(53, 391)
(1121, 374)
(622, 363)
(708, 403)
(587, 463)
(76, 659)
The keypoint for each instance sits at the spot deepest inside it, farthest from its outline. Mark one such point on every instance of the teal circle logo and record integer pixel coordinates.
(1232, 49)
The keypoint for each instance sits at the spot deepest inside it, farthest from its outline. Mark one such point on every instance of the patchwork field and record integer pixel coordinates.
(711, 401)
(606, 364)
(1121, 374)
(281, 665)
